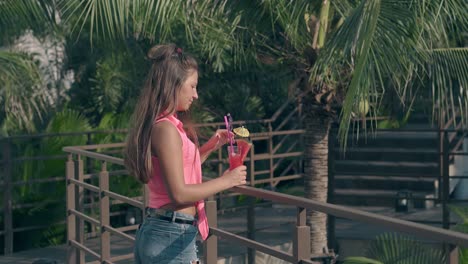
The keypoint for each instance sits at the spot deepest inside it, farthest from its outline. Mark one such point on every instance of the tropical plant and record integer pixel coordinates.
(20, 94)
(394, 248)
(23, 93)
(346, 54)
(374, 46)
(48, 206)
(462, 212)
(339, 55)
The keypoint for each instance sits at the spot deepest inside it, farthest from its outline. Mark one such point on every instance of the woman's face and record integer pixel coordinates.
(188, 92)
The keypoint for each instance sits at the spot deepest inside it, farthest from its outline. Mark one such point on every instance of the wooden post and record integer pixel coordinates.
(89, 167)
(79, 202)
(220, 173)
(331, 187)
(440, 150)
(7, 200)
(301, 242)
(211, 243)
(251, 210)
(445, 186)
(104, 216)
(252, 166)
(453, 254)
(445, 182)
(90, 195)
(270, 151)
(72, 252)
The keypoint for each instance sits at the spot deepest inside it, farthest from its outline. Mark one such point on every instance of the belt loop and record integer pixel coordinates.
(173, 216)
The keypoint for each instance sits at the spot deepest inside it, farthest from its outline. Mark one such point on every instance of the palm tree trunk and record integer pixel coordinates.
(316, 175)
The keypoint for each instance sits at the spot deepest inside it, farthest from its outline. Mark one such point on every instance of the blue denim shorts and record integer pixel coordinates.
(162, 241)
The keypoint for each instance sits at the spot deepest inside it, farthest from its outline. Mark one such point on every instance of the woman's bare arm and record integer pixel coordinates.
(219, 139)
(166, 144)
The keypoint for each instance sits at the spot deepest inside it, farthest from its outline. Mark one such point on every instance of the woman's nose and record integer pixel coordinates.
(195, 94)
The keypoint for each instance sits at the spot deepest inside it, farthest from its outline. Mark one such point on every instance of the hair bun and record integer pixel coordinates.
(161, 52)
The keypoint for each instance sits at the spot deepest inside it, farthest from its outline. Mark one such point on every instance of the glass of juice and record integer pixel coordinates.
(235, 157)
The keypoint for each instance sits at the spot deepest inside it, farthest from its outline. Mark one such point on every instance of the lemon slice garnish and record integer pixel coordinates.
(241, 131)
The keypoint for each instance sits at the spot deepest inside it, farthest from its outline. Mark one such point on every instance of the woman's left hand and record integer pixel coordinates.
(219, 138)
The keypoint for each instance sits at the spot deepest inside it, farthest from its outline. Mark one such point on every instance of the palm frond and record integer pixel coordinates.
(448, 73)
(393, 248)
(343, 7)
(360, 260)
(371, 42)
(108, 19)
(211, 27)
(386, 47)
(108, 84)
(20, 94)
(155, 19)
(16, 16)
(64, 121)
(441, 22)
(290, 16)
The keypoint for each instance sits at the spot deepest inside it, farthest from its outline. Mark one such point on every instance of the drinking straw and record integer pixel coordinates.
(229, 131)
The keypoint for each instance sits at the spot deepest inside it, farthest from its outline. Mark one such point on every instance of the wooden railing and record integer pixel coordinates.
(76, 217)
(79, 182)
(11, 160)
(282, 152)
(14, 158)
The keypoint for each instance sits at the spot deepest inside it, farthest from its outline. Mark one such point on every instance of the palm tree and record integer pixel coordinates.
(23, 93)
(340, 55)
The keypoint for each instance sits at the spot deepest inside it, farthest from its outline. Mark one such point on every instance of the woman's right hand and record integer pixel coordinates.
(237, 176)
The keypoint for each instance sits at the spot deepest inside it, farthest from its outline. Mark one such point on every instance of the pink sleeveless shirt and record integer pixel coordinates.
(158, 195)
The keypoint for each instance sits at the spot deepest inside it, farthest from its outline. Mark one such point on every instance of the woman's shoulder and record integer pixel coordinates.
(164, 127)
(165, 131)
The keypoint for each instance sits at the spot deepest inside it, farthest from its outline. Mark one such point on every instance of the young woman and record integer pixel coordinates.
(160, 152)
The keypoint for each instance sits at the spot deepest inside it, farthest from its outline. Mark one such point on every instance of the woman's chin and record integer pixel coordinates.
(183, 109)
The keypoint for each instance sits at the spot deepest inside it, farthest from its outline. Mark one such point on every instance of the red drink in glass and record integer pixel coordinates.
(235, 157)
(235, 161)
(237, 153)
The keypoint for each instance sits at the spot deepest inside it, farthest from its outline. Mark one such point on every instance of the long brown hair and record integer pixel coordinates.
(170, 68)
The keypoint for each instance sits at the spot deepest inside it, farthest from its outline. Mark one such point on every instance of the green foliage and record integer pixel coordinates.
(66, 121)
(109, 122)
(462, 212)
(360, 260)
(389, 45)
(253, 55)
(63, 122)
(108, 79)
(49, 206)
(394, 248)
(389, 124)
(17, 16)
(288, 17)
(108, 84)
(21, 97)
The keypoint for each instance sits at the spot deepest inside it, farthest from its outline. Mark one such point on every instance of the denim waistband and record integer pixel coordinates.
(170, 215)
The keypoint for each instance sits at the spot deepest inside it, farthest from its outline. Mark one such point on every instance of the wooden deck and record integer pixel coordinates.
(274, 227)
